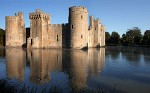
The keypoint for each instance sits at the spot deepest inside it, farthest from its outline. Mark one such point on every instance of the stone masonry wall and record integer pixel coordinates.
(58, 36)
(94, 32)
(103, 28)
(39, 22)
(91, 32)
(96, 37)
(15, 31)
(55, 36)
(78, 21)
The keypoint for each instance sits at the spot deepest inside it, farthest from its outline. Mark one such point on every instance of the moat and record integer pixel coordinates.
(107, 70)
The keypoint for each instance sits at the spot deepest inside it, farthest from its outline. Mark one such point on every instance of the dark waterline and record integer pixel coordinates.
(110, 69)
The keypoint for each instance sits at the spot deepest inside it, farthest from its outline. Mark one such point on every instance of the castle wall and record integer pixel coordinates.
(103, 28)
(35, 28)
(15, 31)
(99, 33)
(45, 35)
(94, 28)
(39, 28)
(58, 36)
(42, 34)
(21, 28)
(65, 36)
(91, 32)
(36, 42)
(78, 21)
(55, 36)
(96, 37)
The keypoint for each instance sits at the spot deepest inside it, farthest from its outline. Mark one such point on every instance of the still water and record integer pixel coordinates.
(106, 70)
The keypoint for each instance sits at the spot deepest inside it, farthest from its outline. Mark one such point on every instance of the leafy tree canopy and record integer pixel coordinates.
(134, 36)
(115, 38)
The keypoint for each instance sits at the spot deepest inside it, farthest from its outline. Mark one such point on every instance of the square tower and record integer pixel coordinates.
(39, 29)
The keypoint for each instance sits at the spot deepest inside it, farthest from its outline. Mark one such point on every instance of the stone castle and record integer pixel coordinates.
(74, 34)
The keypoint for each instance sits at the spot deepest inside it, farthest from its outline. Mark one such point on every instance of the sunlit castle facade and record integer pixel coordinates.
(74, 34)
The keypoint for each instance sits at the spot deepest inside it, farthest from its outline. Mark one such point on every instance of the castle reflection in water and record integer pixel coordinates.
(77, 64)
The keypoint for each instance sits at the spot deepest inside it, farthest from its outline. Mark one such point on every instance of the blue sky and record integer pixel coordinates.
(117, 15)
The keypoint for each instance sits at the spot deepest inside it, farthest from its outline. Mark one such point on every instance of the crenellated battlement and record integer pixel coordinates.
(16, 16)
(11, 17)
(38, 15)
(65, 24)
(77, 9)
(103, 27)
(56, 26)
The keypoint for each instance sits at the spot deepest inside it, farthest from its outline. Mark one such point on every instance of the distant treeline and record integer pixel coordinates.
(2, 37)
(132, 37)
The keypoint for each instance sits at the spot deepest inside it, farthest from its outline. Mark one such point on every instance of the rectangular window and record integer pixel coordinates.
(72, 26)
(57, 38)
(31, 41)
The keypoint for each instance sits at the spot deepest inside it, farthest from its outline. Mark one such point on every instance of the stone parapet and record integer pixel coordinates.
(11, 17)
(77, 9)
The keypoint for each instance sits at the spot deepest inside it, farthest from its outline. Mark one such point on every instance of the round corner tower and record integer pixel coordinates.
(78, 21)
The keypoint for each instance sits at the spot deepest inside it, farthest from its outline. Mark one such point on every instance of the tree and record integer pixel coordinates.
(134, 36)
(2, 34)
(107, 38)
(146, 38)
(115, 38)
(124, 40)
